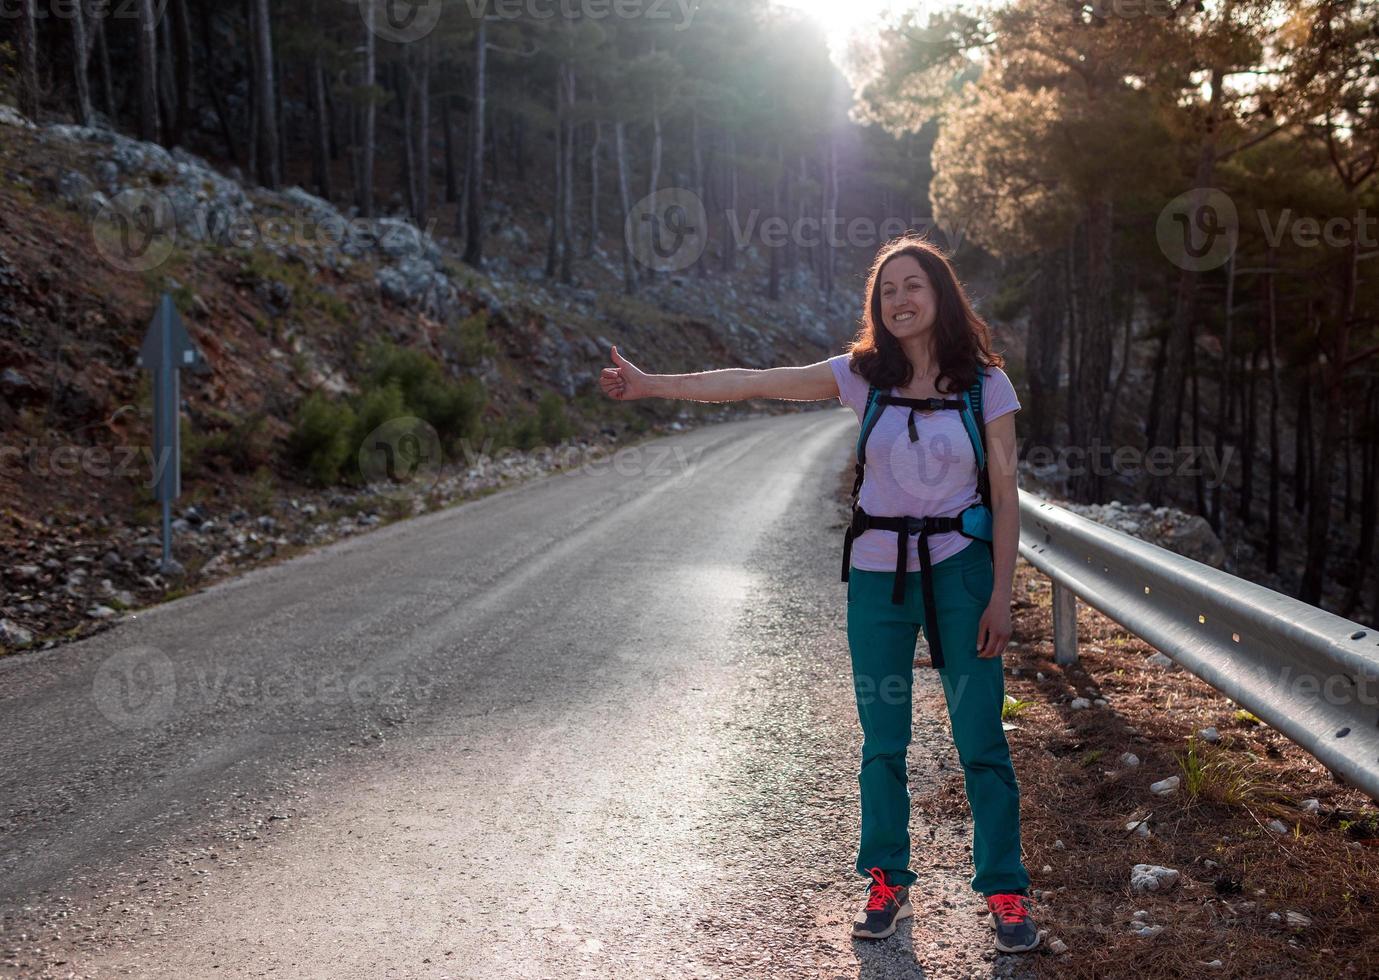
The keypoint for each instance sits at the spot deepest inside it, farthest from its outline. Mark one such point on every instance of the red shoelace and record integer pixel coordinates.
(1012, 909)
(881, 893)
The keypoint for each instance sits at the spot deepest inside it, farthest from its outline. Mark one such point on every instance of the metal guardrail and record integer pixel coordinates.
(1308, 673)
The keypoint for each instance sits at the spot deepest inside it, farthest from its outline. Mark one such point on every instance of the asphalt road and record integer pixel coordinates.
(597, 725)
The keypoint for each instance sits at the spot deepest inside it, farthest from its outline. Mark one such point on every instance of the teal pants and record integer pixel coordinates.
(882, 637)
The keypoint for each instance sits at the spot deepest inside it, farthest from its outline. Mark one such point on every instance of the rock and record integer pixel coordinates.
(1311, 806)
(1192, 537)
(15, 385)
(1079, 704)
(1058, 845)
(1296, 920)
(1277, 826)
(100, 612)
(1100, 702)
(1209, 735)
(1058, 946)
(12, 634)
(1213, 964)
(27, 573)
(1159, 660)
(1140, 828)
(1145, 931)
(1141, 914)
(1152, 878)
(1164, 786)
(9, 116)
(1129, 759)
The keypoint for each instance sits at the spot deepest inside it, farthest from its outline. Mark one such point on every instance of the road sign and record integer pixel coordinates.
(166, 350)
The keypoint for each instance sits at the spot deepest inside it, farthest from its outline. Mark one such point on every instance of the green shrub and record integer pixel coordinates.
(551, 418)
(470, 343)
(320, 441)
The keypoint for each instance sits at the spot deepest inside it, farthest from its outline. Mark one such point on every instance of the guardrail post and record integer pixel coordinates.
(1064, 624)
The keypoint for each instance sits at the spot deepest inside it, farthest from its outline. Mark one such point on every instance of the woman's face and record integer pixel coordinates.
(908, 305)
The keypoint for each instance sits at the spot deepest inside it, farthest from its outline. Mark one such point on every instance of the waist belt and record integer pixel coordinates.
(970, 526)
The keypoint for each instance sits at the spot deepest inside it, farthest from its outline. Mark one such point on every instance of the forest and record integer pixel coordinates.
(1176, 200)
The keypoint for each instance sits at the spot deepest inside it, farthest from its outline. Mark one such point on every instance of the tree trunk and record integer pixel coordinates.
(368, 113)
(730, 213)
(423, 213)
(1094, 347)
(1302, 443)
(557, 188)
(81, 50)
(1319, 515)
(405, 83)
(1223, 389)
(567, 217)
(1369, 472)
(1169, 398)
(474, 176)
(150, 125)
(1047, 316)
(697, 158)
(774, 264)
(265, 97)
(169, 97)
(1275, 396)
(452, 182)
(107, 78)
(213, 87)
(594, 186)
(186, 73)
(320, 142)
(629, 273)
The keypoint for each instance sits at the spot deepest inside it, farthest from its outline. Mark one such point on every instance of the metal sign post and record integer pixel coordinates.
(166, 350)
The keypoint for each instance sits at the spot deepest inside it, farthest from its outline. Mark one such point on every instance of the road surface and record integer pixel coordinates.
(599, 725)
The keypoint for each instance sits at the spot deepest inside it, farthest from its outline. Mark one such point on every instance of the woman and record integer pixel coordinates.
(920, 339)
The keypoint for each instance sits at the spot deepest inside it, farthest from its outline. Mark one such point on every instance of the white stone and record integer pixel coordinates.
(1152, 878)
(1164, 786)
(1079, 704)
(1277, 826)
(1159, 660)
(1058, 946)
(1100, 702)
(1296, 920)
(1145, 931)
(1058, 845)
(1311, 806)
(1209, 735)
(1129, 759)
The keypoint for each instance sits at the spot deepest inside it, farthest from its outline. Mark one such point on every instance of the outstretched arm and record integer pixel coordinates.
(812, 382)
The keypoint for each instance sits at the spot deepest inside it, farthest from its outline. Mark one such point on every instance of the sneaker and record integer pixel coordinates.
(1010, 917)
(886, 905)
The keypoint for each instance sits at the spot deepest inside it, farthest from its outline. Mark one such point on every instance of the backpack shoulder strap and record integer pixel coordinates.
(869, 417)
(976, 431)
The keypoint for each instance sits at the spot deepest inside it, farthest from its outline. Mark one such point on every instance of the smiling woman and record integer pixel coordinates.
(947, 477)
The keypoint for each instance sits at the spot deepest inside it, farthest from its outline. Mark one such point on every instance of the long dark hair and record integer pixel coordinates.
(962, 339)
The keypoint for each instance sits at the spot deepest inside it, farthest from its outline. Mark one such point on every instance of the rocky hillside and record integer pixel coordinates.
(284, 295)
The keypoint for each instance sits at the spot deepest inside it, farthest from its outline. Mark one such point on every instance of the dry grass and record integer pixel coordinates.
(1235, 871)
